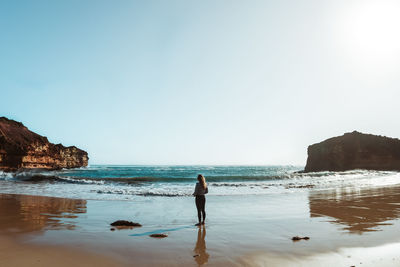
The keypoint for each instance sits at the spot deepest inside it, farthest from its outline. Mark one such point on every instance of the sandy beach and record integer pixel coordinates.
(347, 227)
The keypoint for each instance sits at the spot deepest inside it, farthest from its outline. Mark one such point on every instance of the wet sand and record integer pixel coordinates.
(347, 226)
(13, 253)
(24, 217)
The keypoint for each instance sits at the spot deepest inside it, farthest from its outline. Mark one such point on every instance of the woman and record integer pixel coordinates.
(199, 192)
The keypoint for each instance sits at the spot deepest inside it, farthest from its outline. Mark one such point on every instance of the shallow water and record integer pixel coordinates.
(236, 226)
(259, 210)
(128, 182)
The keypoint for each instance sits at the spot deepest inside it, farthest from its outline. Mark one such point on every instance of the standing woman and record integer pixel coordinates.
(199, 192)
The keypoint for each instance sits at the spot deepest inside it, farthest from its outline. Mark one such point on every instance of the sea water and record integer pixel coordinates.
(249, 208)
(105, 182)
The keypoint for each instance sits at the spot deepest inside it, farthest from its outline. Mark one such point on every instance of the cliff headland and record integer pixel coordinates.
(354, 150)
(21, 148)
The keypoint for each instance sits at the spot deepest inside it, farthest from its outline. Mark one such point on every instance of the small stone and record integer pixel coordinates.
(126, 223)
(297, 238)
(112, 229)
(158, 235)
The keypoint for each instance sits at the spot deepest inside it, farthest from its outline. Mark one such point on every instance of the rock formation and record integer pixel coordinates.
(125, 223)
(21, 148)
(159, 235)
(354, 151)
(298, 238)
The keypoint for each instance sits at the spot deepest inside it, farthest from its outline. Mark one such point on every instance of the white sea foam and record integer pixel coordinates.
(98, 183)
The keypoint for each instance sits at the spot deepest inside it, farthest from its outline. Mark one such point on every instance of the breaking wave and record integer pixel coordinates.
(146, 193)
(224, 180)
(104, 182)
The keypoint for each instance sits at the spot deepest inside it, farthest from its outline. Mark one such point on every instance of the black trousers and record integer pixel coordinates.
(201, 205)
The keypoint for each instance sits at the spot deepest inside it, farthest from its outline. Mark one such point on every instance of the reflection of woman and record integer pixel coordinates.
(199, 192)
(201, 256)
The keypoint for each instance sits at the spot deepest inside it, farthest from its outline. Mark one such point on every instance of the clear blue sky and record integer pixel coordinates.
(200, 82)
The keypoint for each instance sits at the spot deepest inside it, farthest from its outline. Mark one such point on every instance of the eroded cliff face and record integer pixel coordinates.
(21, 148)
(354, 151)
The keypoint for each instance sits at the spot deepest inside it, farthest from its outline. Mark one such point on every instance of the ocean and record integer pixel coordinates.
(252, 214)
(111, 182)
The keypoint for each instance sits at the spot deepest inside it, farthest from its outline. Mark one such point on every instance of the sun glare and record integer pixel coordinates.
(372, 31)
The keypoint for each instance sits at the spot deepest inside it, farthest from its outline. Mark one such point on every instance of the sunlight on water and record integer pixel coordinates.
(128, 182)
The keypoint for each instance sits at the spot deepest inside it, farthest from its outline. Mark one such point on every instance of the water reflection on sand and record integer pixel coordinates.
(357, 210)
(201, 256)
(23, 213)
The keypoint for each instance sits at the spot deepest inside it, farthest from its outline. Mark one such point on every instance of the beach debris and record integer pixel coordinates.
(197, 255)
(126, 223)
(291, 185)
(112, 229)
(298, 238)
(158, 235)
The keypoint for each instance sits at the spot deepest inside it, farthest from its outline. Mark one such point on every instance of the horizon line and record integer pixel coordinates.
(261, 165)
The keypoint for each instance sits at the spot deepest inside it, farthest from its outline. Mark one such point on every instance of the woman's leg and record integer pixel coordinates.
(198, 206)
(203, 208)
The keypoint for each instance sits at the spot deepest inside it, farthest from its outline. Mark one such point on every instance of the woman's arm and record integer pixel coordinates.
(196, 190)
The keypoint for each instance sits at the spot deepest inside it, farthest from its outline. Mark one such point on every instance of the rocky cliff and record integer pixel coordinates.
(354, 151)
(21, 148)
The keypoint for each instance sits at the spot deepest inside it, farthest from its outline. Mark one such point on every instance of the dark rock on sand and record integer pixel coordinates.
(158, 235)
(21, 148)
(354, 151)
(297, 238)
(125, 223)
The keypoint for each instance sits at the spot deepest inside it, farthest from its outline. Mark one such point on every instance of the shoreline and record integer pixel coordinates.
(260, 235)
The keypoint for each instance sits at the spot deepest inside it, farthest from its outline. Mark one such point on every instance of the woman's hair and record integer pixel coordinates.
(202, 180)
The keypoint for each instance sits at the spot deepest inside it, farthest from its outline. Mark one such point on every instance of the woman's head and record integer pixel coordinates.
(202, 180)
